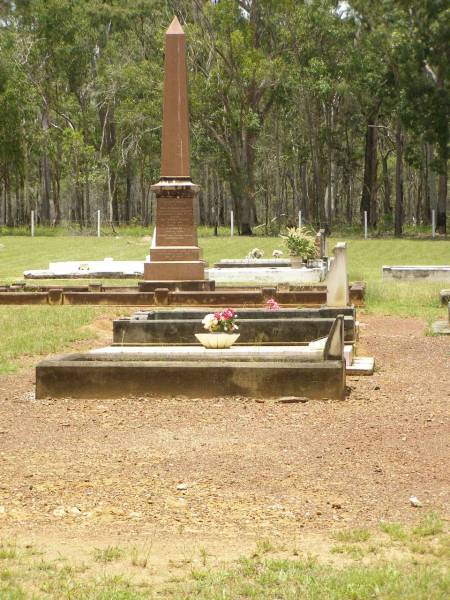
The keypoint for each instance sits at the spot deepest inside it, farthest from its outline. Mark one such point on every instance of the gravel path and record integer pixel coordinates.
(232, 466)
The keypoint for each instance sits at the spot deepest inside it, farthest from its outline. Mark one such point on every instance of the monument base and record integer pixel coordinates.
(176, 270)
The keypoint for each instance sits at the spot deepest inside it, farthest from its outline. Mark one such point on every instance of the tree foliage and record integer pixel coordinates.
(332, 108)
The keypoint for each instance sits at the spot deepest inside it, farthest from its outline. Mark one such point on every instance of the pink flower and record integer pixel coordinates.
(272, 304)
(228, 314)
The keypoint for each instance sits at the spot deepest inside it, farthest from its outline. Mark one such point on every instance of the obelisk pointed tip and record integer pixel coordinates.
(175, 28)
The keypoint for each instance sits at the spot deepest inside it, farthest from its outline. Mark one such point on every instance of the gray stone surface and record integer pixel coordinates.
(441, 328)
(266, 275)
(417, 272)
(445, 297)
(252, 331)
(82, 376)
(238, 263)
(314, 371)
(323, 312)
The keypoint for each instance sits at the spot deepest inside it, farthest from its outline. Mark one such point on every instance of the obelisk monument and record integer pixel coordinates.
(175, 255)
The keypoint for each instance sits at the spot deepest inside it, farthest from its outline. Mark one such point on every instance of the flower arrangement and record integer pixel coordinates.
(299, 242)
(223, 321)
(255, 253)
(277, 253)
(272, 304)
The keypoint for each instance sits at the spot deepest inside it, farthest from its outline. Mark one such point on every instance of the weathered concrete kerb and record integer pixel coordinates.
(164, 296)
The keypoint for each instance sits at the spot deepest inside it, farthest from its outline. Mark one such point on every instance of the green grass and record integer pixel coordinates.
(395, 531)
(108, 554)
(37, 330)
(366, 257)
(350, 536)
(418, 571)
(311, 580)
(33, 330)
(431, 524)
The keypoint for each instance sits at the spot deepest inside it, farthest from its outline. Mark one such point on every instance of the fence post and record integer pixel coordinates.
(231, 223)
(98, 223)
(299, 219)
(365, 224)
(433, 223)
(32, 223)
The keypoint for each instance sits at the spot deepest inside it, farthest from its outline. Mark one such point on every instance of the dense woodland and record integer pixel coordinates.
(332, 108)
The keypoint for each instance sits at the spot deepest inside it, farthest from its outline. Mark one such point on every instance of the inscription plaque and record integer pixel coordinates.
(175, 222)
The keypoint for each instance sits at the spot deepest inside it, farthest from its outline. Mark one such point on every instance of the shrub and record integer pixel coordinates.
(299, 242)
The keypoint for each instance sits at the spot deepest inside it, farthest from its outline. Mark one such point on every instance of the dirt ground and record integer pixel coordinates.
(176, 475)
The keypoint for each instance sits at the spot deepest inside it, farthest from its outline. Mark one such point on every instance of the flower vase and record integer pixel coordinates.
(217, 340)
(296, 262)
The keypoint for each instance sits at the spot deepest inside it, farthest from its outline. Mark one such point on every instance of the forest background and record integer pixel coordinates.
(332, 108)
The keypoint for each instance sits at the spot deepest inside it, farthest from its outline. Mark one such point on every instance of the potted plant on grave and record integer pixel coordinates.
(222, 329)
(300, 244)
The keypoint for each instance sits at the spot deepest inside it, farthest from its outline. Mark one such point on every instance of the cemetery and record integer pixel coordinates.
(187, 413)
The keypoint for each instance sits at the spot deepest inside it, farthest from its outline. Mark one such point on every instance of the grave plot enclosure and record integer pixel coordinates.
(316, 371)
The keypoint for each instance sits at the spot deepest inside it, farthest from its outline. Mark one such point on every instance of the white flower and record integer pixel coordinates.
(209, 321)
(255, 253)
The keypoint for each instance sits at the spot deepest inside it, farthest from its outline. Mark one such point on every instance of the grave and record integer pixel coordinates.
(253, 275)
(107, 268)
(316, 371)
(417, 273)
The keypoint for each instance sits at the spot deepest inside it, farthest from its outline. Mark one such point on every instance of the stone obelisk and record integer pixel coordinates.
(175, 255)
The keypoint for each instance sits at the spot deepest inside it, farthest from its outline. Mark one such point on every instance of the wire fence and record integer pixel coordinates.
(99, 226)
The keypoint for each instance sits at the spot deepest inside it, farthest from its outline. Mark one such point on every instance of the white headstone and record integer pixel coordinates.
(337, 279)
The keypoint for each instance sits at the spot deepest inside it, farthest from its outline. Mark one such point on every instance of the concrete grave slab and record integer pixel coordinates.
(417, 272)
(266, 275)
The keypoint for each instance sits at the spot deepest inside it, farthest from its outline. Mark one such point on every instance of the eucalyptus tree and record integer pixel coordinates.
(239, 73)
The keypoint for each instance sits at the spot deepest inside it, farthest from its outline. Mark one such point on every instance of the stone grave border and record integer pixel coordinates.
(99, 295)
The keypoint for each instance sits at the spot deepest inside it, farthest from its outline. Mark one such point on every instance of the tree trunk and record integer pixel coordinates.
(426, 203)
(369, 188)
(399, 181)
(46, 177)
(387, 187)
(441, 212)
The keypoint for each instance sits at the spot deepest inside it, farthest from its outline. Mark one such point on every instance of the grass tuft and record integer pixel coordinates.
(431, 524)
(108, 554)
(352, 536)
(395, 531)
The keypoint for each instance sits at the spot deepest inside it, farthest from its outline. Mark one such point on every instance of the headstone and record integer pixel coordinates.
(323, 243)
(337, 280)
(175, 254)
